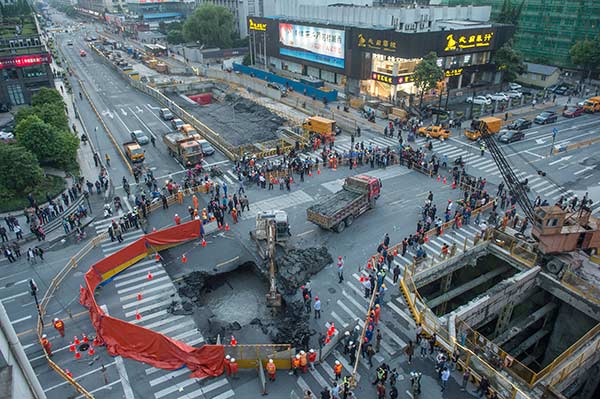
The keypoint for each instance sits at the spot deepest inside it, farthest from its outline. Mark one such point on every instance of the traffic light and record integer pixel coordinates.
(33, 287)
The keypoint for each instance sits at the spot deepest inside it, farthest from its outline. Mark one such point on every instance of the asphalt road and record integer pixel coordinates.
(396, 213)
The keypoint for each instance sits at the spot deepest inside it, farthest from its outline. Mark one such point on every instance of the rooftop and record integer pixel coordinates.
(540, 69)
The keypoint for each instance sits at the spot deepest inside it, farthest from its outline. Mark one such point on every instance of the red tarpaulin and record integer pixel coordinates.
(139, 343)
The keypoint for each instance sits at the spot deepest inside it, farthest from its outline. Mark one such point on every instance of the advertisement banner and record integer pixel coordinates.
(25, 61)
(312, 43)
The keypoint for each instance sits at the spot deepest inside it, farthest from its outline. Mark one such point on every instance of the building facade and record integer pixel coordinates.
(374, 60)
(97, 7)
(24, 67)
(537, 75)
(548, 28)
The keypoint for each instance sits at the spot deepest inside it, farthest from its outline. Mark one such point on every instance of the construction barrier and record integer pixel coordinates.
(248, 356)
(559, 149)
(136, 342)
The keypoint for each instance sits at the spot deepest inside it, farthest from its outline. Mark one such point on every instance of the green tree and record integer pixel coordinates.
(509, 13)
(19, 169)
(210, 25)
(66, 154)
(47, 96)
(38, 137)
(247, 60)
(427, 74)
(175, 37)
(509, 61)
(586, 54)
(53, 114)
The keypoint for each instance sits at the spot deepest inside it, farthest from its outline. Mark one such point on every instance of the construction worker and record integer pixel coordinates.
(234, 215)
(312, 358)
(295, 364)
(271, 369)
(46, 345)
(337, 370)
(195, 199)
(60, 326)
(233, 366)
(227, 363)
(303, 362)
(377, 313)
(180, 197)
(177, 219)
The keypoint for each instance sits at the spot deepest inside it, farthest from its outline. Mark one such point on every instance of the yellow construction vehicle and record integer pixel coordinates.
(491, 123)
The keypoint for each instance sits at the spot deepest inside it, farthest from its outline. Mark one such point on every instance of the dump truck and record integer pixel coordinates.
(591, 105)
(134, 151)
(493, 126)
(326, 128)
(338, 211)
(185, 148)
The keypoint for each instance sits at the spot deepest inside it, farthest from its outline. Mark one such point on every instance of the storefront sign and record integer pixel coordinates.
(453, 72)
(25, 61)
(257, 26)
(376, 44)
(464, 42)
(313, 43)
(393, 80)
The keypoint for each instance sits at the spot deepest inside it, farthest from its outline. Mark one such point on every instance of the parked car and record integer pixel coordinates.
(514, 94)
(82, 53)
(207, 149)
(436, 110)
(177, 123)
(479, 100)
(166, 114)
(497, 97)
(562, 90)
(546, 117)
(515, 86)
(7, 137)
(139, 137)
(508, 136)
(572, 112)
(69, 42)
(277, 86)
(519, 124)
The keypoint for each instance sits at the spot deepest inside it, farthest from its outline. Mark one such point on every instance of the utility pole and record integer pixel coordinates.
(33, 290)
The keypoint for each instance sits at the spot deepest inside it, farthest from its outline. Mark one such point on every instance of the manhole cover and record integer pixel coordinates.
(331, 290)
(84, 347)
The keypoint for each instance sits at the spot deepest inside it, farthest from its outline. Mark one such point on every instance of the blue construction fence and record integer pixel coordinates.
(330, 95)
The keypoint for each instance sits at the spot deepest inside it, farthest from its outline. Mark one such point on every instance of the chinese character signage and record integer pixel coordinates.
(455, 42)
(257, 26)
(453, 72)
(384, 45)
(312, 43)
(393, 80)
(25, 61)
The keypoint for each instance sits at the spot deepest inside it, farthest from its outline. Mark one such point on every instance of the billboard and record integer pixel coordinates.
(25, 61)
(312, 43)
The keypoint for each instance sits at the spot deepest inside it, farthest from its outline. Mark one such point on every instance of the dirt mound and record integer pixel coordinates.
(297, 266)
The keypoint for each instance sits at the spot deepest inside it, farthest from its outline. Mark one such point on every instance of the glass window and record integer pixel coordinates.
(34, 71)
(15, 93)
(10, 74)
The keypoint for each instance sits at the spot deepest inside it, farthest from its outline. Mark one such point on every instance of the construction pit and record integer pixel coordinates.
(234, 302)
(514, 322)
(244, 125)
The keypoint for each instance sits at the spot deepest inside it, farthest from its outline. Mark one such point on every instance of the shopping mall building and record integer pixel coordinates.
(374, 51)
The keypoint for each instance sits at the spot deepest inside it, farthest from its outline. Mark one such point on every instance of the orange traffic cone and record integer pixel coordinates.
(318, 171)
(226, 226)
(92, 351)
(85, 339)
(154, 229)
(354, 165)
(220, 226)
(72, 347)
(233, 341)
(203, 242)
(67, 372)
(426, 238)
(441, 230)
(396, 252)
(139, 296)
(454, 185)
(309, 174)
(77, 355)
(183, 258)
(150, 276)
(439, 178)
(138, 316)
(76, 340)
(444, 179)
(157, 257)
(327, 340)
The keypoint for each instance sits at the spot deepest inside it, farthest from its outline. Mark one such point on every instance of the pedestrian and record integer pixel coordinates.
(482, 148)
(409, 350)
(418, 333)
(317, 307)
(295, 365)
(18, 231)
(396, 273)
(393, 392)
(483, 387)
(3, 234)
(271, 370)
(432, 343)
(60, 326)
(9, 255)
(380, 390)
(177, 219)
(340, 269)
(233, 366)
(444, 378)
(325, 394)
(424, 345)
(308, 395)
(46, 345)
(312, 358)
(378, 341)
(31, 256)
(465, 379)
(335, 391)
(370, 354)
(337, 370)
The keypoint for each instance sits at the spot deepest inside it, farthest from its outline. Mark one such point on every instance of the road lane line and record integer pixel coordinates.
(127, 390)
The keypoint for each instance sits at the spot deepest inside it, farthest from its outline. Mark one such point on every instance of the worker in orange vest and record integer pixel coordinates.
(60, 326)
(195, 199)
(180, 196)
(227, 363)
(204, 215)
(295, 364)
(337, 370)
(271, 369)
(234, 215)
(377, 313)
(303, 362)
(177, 219)
(233, 366)
(312, 358)
(46, 345)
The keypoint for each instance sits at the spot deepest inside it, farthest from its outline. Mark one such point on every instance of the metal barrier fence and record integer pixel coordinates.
(574, 364)
(248, 356)
(519, 249)
(581, 286)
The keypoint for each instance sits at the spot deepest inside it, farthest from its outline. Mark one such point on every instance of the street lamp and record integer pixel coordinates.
(33, 290)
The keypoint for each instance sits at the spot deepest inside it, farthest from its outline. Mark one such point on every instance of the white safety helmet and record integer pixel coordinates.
(297, 356)
(302, 352)
(347, 333)
(312, 351)
(44, 336)
(55, 319)
(350, 343)
(227, 357)
(337, 362)
(233, 360)
(270, 360)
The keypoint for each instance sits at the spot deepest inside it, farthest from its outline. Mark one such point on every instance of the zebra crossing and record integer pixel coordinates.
(396, 324)
(151, 311)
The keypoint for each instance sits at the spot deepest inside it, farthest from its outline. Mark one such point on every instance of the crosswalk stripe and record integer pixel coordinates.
(146, 299)
(163, 322)
(130, 272)
(183, 336)
(147, 291)
(118, 245)
(400, 313)
(538, 184)
(553, 191)
(304, 386)
(338, 319)
(319, 378)
(224, 395)
(174, 388)
(150, 317)
(350, 313)
(145, 284)
(149, 307)
(169, 376)
(183, 325)
(138, 278)
(205, 390)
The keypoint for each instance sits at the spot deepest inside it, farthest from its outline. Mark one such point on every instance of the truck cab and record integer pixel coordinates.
(326, 128)
(134, 151)
(591, 105)
(436, 132)
(361, 182)
(188, 130)
(493, 126)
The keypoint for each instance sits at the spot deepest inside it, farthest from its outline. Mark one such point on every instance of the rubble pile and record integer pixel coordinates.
(297, 266)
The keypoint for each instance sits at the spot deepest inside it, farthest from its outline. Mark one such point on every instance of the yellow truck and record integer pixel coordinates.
(134, 152)
(188, 130)
(436, 132)
(324, 127)
(591, 105)
(493, 126)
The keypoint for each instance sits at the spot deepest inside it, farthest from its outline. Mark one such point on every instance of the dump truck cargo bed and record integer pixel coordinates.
(335, 203)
